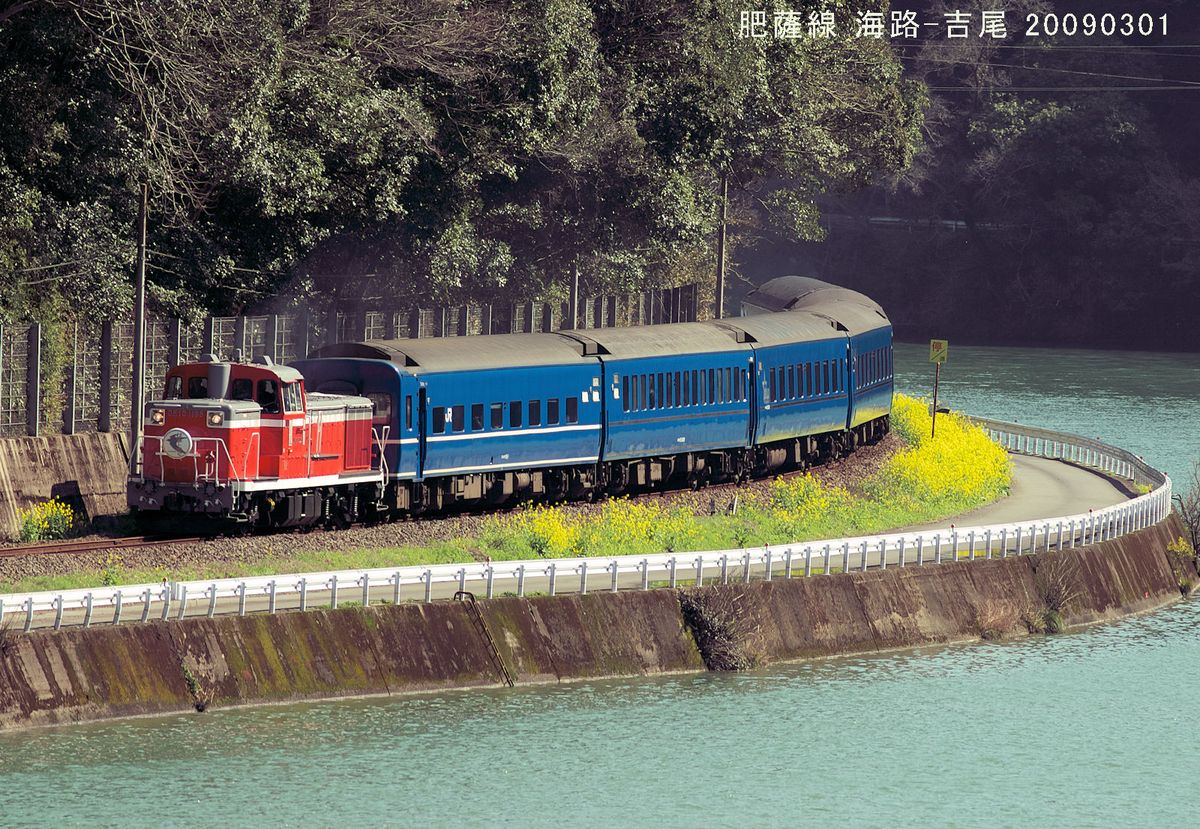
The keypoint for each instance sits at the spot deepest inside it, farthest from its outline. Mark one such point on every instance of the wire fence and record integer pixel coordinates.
(77, 375)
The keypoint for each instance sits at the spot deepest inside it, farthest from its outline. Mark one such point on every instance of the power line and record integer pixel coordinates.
(1063, 89)
(1059, 70)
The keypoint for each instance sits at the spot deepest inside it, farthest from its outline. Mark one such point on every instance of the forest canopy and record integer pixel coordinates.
(429, 149)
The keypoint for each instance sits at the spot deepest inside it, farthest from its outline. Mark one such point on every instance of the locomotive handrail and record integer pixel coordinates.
(807, 558)
(195, 457)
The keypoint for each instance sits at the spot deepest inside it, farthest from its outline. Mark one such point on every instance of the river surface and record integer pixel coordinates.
(1096, 728)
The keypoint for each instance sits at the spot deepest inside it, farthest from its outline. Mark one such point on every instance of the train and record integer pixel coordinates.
(378, 429)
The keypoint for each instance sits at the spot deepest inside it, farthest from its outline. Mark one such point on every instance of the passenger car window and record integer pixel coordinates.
(552, 412)
(476, 417)
(572, 410)
(408, 411)
(456, 418)
(438, 425)
(535, 413)
(625, 392)
(497, 415)
(514, 414)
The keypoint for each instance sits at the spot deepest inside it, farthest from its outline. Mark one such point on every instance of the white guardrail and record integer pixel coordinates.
(165, 600)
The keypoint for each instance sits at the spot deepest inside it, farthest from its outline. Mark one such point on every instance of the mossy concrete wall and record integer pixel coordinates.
(162, 667)
(87, 471)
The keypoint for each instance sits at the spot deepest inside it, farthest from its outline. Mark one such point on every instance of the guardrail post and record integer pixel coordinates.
(429, 584)
(304, 592)
(271, 597)
(146, 598)
(1004, 542)
(987, 540)
(615, 567)
(520, 580)
(827, 561)
(746, 578)
(182, 601)
(920, 551)
(58, 611)
(462, 579)
(333, 586)
(166, 611)
(767, 560)
(807, 562)
(212, 600)
(900, 554)
(552, 571)
(937, 548)
(88, 604)
(954, 545)
(971, 546)
(787, 563)
(862, 564)
(491, 580)
(118, 598)
(583, 578)
(700, 570)
(882, 555)
(242, 599)
(28, 614)
(846, 557)
(671, 569)
(645, 565)
(366, 596)
(1060, 535)
(725, 569)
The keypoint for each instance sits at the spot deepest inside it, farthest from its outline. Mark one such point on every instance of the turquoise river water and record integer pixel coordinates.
(1096, 728)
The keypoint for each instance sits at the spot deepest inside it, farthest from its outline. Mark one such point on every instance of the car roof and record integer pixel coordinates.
(656, 340)
(782, 328)
(438, 354)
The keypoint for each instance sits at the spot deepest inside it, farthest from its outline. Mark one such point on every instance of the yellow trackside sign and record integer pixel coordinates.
(939, 350)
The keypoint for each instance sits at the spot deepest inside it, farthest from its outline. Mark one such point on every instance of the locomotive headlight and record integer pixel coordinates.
(157, 416)
(215, 418)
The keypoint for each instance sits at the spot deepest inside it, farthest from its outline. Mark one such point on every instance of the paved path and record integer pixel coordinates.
(1042, 488)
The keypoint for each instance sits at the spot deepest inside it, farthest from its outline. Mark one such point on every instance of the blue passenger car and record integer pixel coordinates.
(671, 389)
(485, 404)
(802, 369)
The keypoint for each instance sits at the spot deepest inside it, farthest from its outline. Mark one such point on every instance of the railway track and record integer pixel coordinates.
(93, 545)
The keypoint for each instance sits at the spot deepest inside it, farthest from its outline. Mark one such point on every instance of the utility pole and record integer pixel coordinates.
(572, 320)
(137, 397)
(719, 311)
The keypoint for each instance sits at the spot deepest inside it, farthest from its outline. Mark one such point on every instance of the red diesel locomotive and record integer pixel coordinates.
(248, 441)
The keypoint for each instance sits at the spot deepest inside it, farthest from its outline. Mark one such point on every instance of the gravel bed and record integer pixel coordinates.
(848, 473)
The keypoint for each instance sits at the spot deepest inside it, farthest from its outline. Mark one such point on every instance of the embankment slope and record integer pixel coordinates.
(162, 667)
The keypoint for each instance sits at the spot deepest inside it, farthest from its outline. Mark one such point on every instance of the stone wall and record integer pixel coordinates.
(85, 470)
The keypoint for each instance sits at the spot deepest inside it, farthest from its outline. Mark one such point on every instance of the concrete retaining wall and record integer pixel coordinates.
(86, 470)
(161, 667)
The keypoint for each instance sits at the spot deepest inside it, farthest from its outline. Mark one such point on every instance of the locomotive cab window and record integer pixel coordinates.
(242, 389)
(174, 388)
(268, 396)
(381, 408)
(197, 388)
(292, 401)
